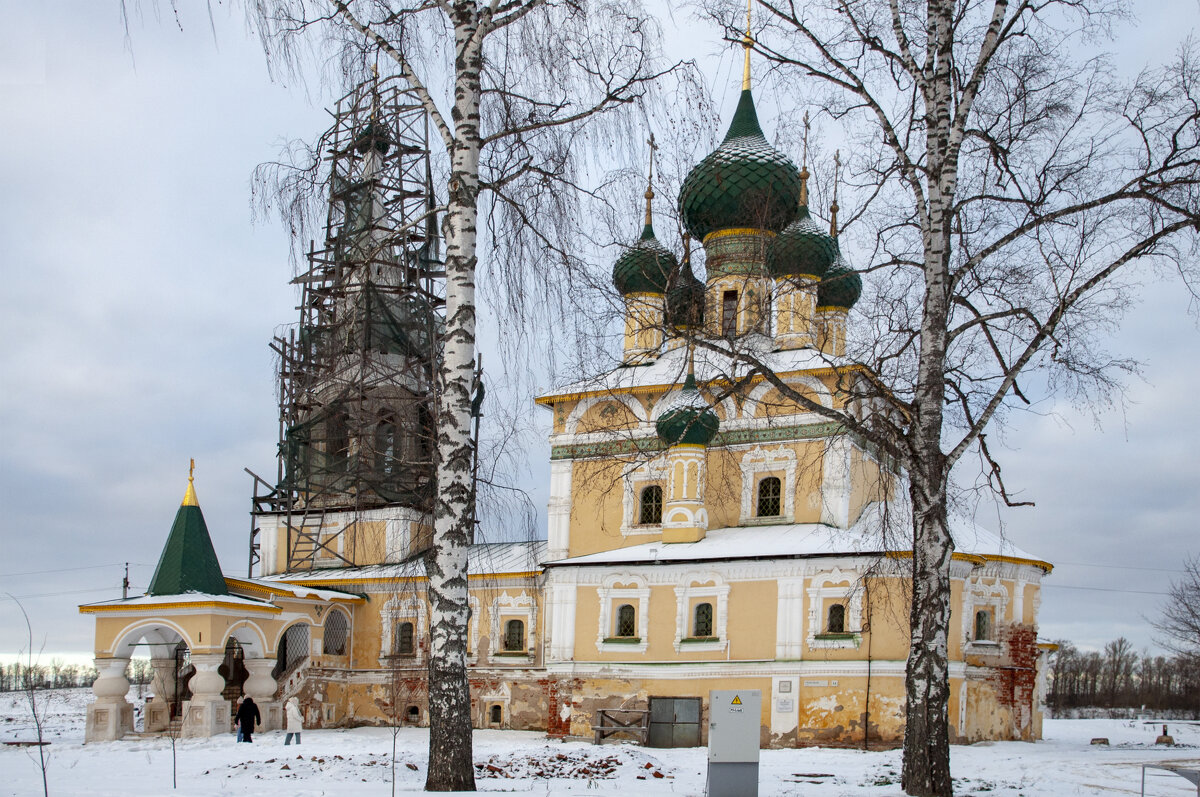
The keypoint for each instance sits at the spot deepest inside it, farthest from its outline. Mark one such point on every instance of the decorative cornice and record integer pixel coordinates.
(151, 608)
(648, 445)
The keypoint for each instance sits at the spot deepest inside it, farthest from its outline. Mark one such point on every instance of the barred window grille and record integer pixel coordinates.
(337, 628)
(769, 490)
(837, 619)
(652, 500)
(626, 624)
(514, 635)
(405, 639)
(703, 622)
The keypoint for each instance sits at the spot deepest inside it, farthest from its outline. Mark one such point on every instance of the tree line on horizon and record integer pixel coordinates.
(1118, 677)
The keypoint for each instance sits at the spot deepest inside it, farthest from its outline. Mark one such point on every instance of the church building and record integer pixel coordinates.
(704, 531)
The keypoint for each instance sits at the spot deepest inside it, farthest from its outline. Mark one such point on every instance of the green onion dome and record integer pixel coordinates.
(644, 267)
(745, 182)
(685, 299)
(689, 420)
(841, 286)
(373, 135)
(803, 249)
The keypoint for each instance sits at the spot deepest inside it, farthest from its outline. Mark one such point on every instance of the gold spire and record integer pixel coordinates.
(650, 179)
(833, 209)
(804, 166)
(748, 44)
(189, 498)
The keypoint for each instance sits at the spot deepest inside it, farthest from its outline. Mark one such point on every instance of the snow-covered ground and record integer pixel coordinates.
(357, 762)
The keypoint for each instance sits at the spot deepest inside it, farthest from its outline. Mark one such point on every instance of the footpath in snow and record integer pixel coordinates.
(358, 762)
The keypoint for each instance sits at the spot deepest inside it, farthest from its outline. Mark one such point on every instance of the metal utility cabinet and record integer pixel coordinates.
(734, 718)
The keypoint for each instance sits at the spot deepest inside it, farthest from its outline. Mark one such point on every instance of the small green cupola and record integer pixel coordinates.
(689, 420)
(841, 286)
(188, 562)
(803, 249)
(646, 266)
(685, 296)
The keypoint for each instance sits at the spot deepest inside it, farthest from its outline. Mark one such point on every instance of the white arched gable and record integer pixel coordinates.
(158, 632)
(816, 386)
(581, 409)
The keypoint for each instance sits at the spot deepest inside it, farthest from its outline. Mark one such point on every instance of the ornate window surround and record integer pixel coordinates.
(976, 596)
(691, 589)
(610, 596)
(760, 461)
(652, 472)
(396, 610)
(829, 584)
(513, 607)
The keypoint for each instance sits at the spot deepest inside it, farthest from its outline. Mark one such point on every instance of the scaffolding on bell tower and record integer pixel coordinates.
(357, 372)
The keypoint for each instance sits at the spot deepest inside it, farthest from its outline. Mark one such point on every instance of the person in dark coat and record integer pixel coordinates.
(247, 716)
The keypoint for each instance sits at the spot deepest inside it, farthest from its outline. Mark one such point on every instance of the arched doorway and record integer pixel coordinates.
(292, 651)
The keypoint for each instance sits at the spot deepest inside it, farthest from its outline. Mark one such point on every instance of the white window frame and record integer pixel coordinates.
(829, 584)
(397, 610)
(978, 595)
(611, 595)
(718, 593)
(652, 472)
(515, 607)
(759, 462)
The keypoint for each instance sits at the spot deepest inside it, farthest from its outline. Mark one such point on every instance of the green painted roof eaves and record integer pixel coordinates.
(189, 561)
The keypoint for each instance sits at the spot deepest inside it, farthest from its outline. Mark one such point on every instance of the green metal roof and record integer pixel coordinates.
(188, 562)
(644, 267)
(689, 420)
(802, 249)
(745, 182)
(840, 287)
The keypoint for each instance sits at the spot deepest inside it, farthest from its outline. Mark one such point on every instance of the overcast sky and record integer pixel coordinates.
(138, 299)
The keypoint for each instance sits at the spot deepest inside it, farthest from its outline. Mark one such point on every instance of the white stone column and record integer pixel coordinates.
(110, 717)
(158, 711)
(207, 713)
(261, 687)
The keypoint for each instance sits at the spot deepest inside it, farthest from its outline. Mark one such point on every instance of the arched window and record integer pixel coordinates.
(497, 714)
(514, 635)
(983, 625)
(337, 628)
(405, 644)
(293, 649)
(729, 302)
(652, 500)
(385, 443)
(626, 622)
(702, 623)
(836, 622)
(768, 497)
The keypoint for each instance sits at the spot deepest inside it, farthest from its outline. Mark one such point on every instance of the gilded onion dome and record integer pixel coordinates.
(745, 182)
(689, 420)
(841, 286)
(644, 267)
(803, 249)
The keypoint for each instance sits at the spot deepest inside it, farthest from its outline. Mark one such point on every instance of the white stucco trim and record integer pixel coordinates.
(690, 588)
(842, 585)
(610, 595)
(761, 460)
(521, 606)
(399, 609)
(649, 473)
(836, 483)
(558, 509)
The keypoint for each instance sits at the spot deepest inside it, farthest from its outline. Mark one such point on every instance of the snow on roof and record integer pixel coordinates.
(304, 592)
(186, 597)
(492, 558)
(670, 368)
(796, 540)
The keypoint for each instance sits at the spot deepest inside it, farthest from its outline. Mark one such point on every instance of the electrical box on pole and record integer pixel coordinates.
(734, 718)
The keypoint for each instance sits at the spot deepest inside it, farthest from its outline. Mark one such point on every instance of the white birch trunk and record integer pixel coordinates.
(450, 764)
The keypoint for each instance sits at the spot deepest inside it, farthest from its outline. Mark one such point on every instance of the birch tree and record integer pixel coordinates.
(1008, 195)
(514, 90)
